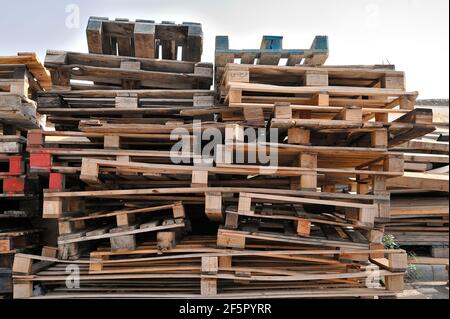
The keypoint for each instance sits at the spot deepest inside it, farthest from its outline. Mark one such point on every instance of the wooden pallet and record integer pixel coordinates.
(145, 38)
(12, 172)
(34, 66)
(366, 77)
(18, 112)
(196, 270)
(16, 79)
(121, 238)
(310, 219)
(115, 72)
(121, 227)
(12, 144)
(43, 159)
(66, 109)
(270, 53)
(426, 166)
(419, 219)
(11, 165)
(14, 239)
(303, 213)
(338, 100)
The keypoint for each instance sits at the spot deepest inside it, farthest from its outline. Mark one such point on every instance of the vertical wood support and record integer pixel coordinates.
(210, 266)
(382, 117)
(225, 262)
(230, 241)
(51, 252)
(395, 283)
(60, 77)
(130, 66)
(144, 40)
(303, 227)
(213, 206)
(315, 78)
(57, 182)
(407, 102)
(166, 240)
(178, 211)
(125, 219)
(379, 138)
(298, 135)
(308, 181)
(22, 289)
(52, 208)
(89, 171)
(94, 34)
(194, 45)
(22, 265)
(245, 205)
(232, 221)
(283, 110)
(321, 99)
(97, 266)
(199, 178)
(111, 142)
(122, 243)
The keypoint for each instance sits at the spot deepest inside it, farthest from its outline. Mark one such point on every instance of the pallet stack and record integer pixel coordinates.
(21, 77)
(333, 121)
(419, 214)
(140, 220)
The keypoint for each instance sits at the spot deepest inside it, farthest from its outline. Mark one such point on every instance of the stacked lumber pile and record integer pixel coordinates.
(21, 77)
(419, 213)
(284, 205)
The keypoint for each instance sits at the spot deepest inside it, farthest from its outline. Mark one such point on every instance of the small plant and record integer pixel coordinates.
(412, 273)
(389, 242)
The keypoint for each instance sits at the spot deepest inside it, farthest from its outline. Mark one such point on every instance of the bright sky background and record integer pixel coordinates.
(412, 34)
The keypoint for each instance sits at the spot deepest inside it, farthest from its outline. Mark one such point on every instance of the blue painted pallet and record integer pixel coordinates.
(5, 281)
(271, 52)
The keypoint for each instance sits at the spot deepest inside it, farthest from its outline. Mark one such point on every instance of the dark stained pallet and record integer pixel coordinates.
(145, 38)
(118, 72)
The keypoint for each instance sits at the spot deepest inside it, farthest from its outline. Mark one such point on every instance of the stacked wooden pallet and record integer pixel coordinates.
(342, 101)
(271, 52)
(419, 216)
(126, 114)
(117, 72)
(291, 216)
(196, 268)
(21, 77)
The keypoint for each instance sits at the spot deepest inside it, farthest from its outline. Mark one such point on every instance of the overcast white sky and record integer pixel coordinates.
(412, 34)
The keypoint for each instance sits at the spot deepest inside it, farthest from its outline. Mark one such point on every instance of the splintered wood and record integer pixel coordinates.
(276, 184)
